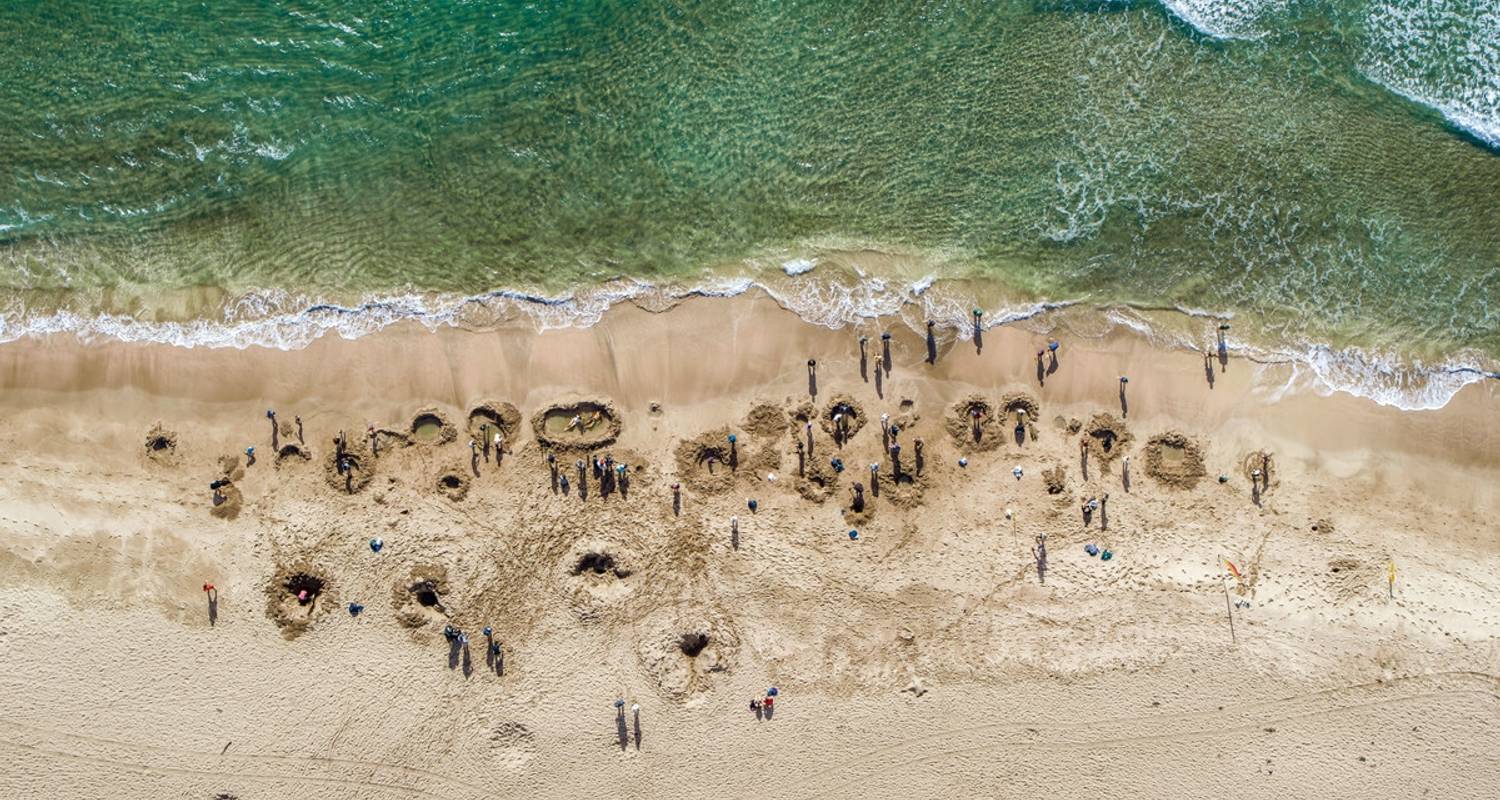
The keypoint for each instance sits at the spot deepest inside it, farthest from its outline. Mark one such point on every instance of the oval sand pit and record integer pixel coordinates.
(1175, 460)
(577, 425)
(431, 427)
(973, 424)
(297, 594)
(292, 453)
(422, 598)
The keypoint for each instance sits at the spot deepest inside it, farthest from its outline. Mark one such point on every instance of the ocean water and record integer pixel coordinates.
(1324, 172)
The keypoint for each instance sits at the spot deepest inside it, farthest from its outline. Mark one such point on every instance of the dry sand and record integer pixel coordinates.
(925, 660)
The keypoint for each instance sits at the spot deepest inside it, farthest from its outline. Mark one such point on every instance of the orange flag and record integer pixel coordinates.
(1232, 570)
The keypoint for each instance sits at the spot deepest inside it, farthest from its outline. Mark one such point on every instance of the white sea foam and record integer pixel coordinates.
(798, 266)
(1443, 54)
(1226, 19)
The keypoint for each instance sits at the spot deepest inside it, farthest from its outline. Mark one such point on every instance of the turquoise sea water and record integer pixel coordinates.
(1327, 172)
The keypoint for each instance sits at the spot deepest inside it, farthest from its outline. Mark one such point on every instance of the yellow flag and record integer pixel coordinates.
(1391, 571)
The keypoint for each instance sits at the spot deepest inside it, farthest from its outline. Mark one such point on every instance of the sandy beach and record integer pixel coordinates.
(1355, 654)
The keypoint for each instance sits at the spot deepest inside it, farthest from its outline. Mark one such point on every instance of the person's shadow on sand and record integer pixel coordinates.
(620, 729)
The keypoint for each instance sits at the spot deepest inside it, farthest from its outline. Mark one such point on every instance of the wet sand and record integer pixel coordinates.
(925, 659)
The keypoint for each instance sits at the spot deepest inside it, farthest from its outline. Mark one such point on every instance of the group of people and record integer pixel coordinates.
(609, 475)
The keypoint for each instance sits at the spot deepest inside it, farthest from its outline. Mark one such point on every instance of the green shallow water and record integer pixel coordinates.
(1100, 151)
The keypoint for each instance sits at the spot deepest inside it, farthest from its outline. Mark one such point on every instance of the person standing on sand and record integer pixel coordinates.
(1083, 456)
(918, 446)
(275, 439)
(300, 440)
(812, 377)
(809, 437)
(1125, 473)
(484, 440)
(734, 528)
(857, 503)
(499, 445)
(801, 460)
(1124, 406)
(250, 456)
(931, 342)
(370, 431)
(474, 456)
(676, 499)
(875, 479)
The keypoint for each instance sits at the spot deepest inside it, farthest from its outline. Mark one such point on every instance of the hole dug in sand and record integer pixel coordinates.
(972, 424)
(593, 575)
(292, 453)
(1021, 415)
(851, 418)
(490, 416)
(684, 653)
(691, 644)
(421, 598)
(453, 484)
(161, 445)
(1106, 438)
(431, 427)
(351, 473)
(1175, 460)
(706, 463)
(578, 425)
(296, 595)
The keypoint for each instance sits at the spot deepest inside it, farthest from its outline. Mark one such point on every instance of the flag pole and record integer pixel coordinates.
(1228, 610)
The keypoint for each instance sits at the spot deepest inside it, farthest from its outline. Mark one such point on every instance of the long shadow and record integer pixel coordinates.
(1041, 371)
(637, 730)
(1124, 404)
(978, 338)
(453, 653)
(213, 607)
(1208, 370)
(864, 361)
(931, 345)
(620, 729)
(812, 378)
(885, 345)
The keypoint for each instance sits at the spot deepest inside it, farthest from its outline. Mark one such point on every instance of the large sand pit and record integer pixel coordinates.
(453, 483)
(973, 424)
(819, 480)
(683, 651)
(766, 421)
(842, 418)
(1106, 437)
(421, 600)
(297, 595)
(292, 454)
(1022, 412)
(1175, 459)
(577, 425)
(707, 463)
(431, 426)
(490, 416)
(351, 472)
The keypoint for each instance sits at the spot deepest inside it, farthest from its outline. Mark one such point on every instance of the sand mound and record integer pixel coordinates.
(682, 650)
(292, 453)
(229, 467)
(495, 415)
(231, 503)
(161, 445)
(851, 417)
(421, 599)
(357, 471)
(453, 483)
(431, 427)
(596, 576)
(1107, 438)
(1055, 479)
(766, 421)
(387, 439)
(283, 606)
(1175, 459)
(973, 424)
(597, 425)
(512, 744)
(1022, 412)
(707, 463)
(1322, 525)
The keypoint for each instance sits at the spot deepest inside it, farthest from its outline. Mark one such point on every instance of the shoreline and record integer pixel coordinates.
(932, 630)
(830, 297)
